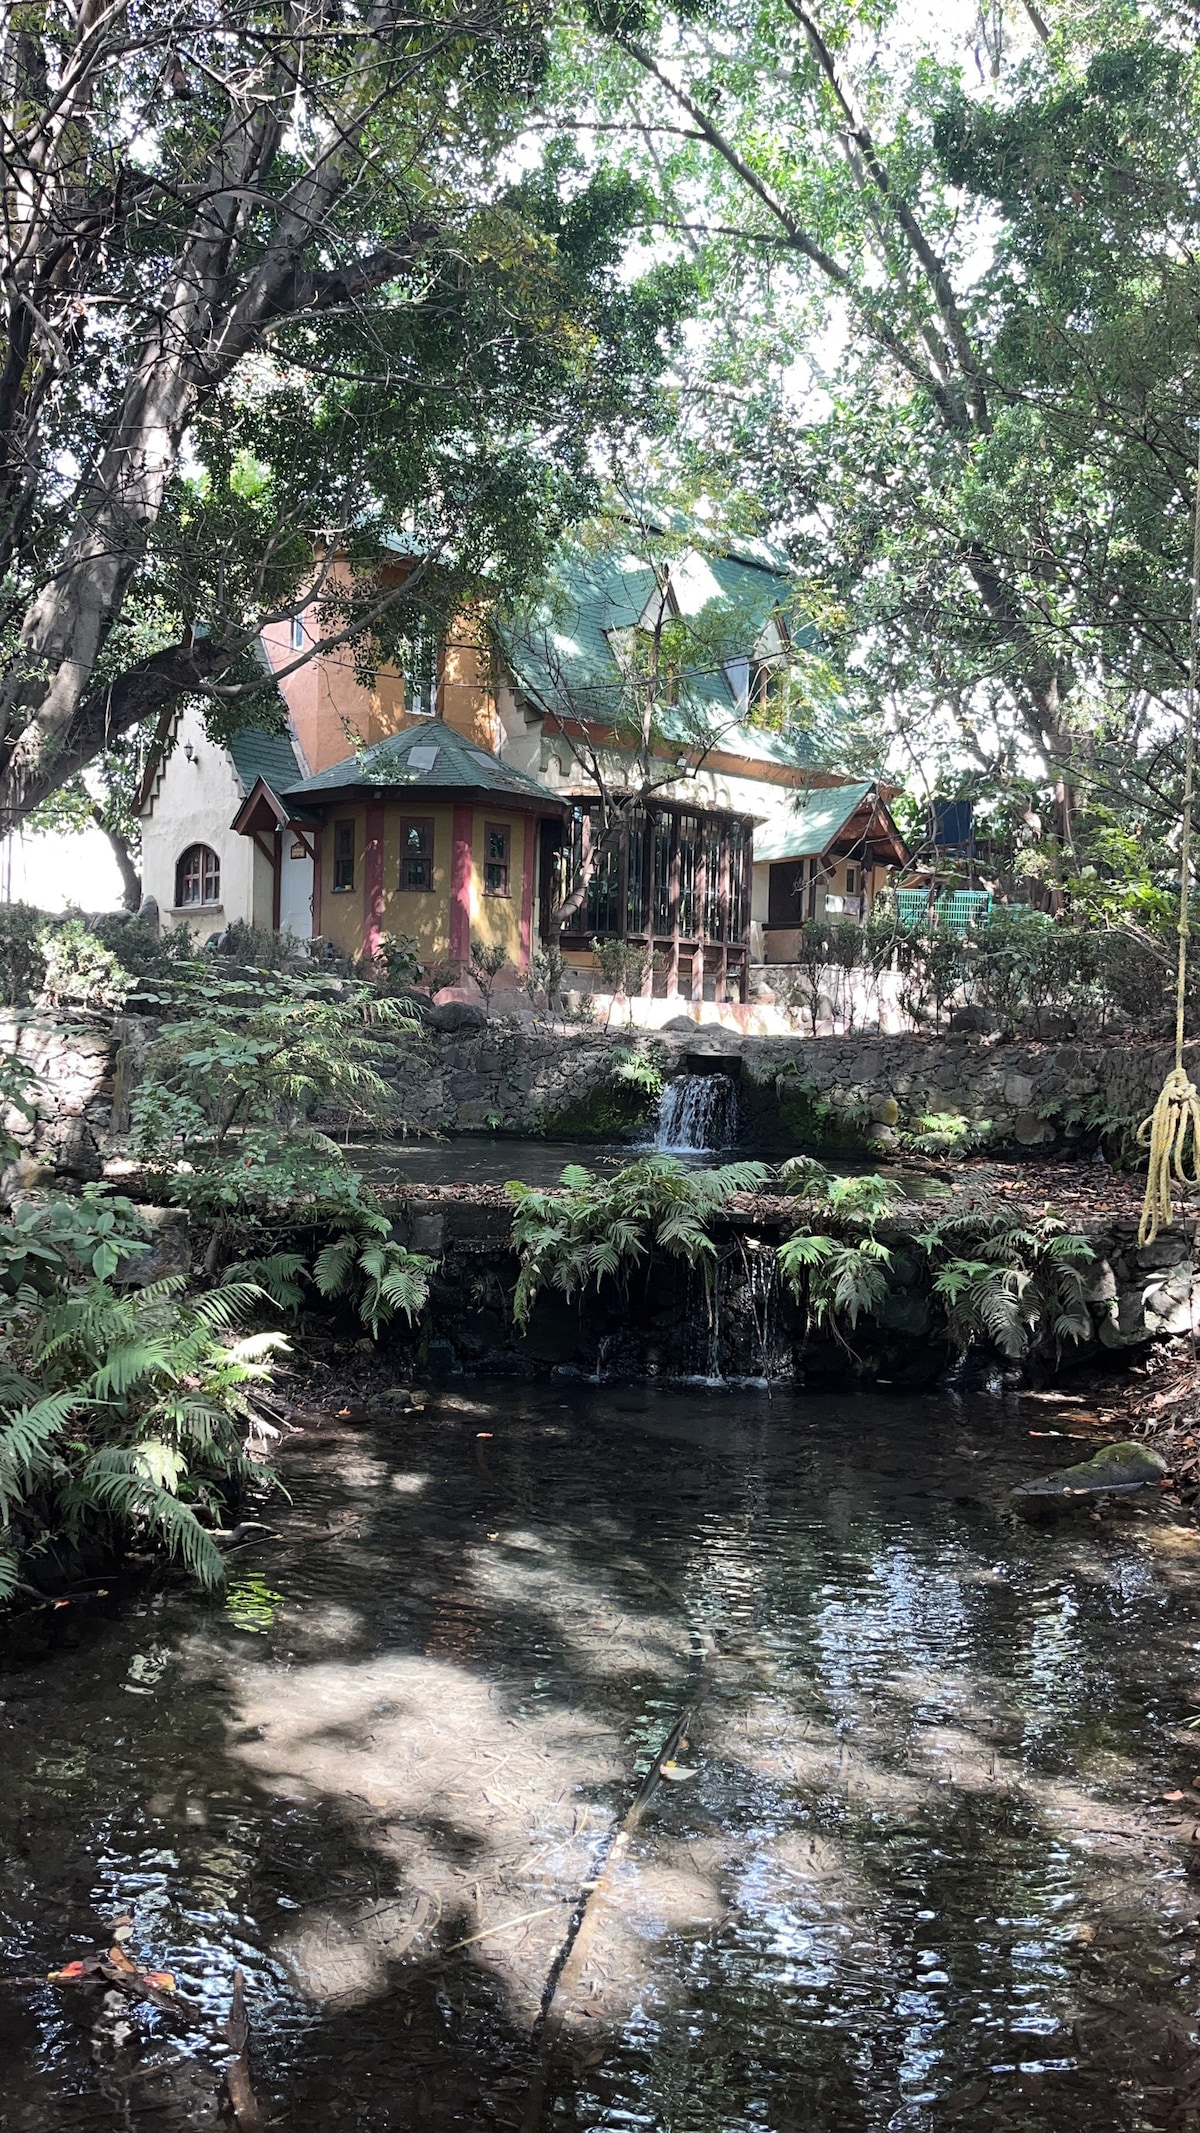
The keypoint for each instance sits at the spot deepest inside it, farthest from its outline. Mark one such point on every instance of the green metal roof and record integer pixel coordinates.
(562, 655)
(269, 756)
(430, 757)
(810, 828)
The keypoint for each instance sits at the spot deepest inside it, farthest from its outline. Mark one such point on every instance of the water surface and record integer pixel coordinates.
(922, 1877)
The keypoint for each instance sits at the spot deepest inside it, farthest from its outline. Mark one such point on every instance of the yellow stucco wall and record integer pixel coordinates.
(420, 914)
(423, 916)
(496, 920)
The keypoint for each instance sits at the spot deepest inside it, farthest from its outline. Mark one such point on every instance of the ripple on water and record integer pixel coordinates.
(915, 1882)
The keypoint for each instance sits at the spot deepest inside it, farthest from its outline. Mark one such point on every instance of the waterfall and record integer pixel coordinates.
(696, 1112)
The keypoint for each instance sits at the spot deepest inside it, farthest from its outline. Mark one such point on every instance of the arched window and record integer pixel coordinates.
(198, 877)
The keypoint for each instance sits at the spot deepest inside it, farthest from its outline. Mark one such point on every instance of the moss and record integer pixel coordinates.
(787, 1112)
(608, 1111)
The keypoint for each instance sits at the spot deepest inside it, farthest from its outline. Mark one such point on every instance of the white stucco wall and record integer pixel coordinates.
(194, 803)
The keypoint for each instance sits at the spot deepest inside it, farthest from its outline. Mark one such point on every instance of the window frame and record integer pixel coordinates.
(344, 888)
(503, 830)
(425, 824)
(209, 866)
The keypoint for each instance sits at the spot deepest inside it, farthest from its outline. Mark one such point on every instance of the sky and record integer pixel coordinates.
(57, 872)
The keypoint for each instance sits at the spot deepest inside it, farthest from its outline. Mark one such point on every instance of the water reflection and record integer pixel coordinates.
(919, 1880)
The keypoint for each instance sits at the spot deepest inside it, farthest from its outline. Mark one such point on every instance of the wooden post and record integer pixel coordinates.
(700, 891)
(531, 823)
(673, 912)
(460, 885)
(373, 882)
(316, 894)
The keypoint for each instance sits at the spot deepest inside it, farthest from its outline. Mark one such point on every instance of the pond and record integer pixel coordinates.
(912, 1868)
(477, 1159)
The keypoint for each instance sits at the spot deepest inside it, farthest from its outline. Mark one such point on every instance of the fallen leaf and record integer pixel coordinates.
(483, 1433)
(162, 1980)
(69, 1970)
(1173, 1796)
(120, 1961)
(124, 1932)
(678, 1772)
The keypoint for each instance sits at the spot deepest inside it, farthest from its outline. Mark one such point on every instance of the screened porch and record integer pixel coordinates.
(672, 879)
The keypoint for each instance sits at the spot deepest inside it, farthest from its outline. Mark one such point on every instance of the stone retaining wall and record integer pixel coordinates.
(1019, 1095)
(508, 1078)
(663, 1325)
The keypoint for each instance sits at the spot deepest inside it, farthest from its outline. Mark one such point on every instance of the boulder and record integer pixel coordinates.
(1116, 1470)
(973, 1022)
(679, 1026)
(457, 1015)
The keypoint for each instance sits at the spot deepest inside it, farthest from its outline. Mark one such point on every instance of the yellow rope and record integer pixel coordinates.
(1176, 1115)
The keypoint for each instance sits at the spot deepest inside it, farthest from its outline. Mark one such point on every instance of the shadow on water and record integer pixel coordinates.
(916, 1880)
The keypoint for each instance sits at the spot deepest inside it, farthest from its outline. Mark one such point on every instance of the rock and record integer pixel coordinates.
(973, 1022)
(457, 1015)
(170, 1248)
(679, 1026)
(148, 912)
(885, 1110)
(762, 996)
(1018, 1091)
(1030, 1131)
(1118, 1469)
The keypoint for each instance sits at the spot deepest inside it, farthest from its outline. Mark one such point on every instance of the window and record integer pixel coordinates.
(198, 877)
(851, 881)
(297, 633)
(419, 664)
(416, 852)
(343, 856)
(495, 859)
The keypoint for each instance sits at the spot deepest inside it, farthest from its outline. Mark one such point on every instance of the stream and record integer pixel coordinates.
(914, 1868)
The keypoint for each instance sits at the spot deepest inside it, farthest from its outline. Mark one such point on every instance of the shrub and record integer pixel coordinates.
(223, 1114)
(80, 971)
(22, 958)
(128, 1415)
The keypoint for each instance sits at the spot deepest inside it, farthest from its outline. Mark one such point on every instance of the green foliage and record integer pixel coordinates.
(17, 1085)
(46, 1241)
(599, 1229)
(22, 961)
(1007, 1280)
(640, 1070)
(130, 1416)
(1001, 1279)
(944, 1133)
(79, 970)
(254, 947)
(485, 966)
(225, 1116)
(398, 963)
(836, 1263)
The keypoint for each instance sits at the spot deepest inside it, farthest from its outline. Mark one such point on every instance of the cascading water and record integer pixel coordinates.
(696, 1112)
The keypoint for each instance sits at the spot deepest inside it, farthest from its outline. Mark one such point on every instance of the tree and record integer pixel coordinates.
(265, 297)
(993, 290)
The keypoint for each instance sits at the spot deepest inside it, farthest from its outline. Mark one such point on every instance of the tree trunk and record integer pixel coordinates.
(131, 880)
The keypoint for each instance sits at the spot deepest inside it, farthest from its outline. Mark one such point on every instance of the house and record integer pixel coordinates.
(826, 858)
(459, 804)
(423, 835)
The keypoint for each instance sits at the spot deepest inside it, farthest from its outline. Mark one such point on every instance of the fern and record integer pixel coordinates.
(601, 1229)
(132, 1411)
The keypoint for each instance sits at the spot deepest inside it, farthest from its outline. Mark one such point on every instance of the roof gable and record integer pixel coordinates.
(565, 651)
(810, 828)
